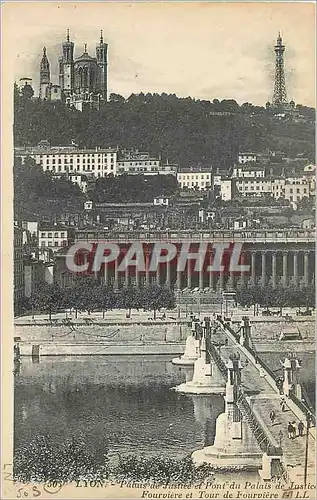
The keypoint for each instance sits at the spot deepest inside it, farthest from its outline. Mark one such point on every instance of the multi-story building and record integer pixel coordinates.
(34, 275)
(247, 157)
(292, 189)
(198, 178)
(18, 264)
(54, 236)
(295, 189)
(71, 161)
(254, 187)
(248, 170)
(136, 162)
(227, 189)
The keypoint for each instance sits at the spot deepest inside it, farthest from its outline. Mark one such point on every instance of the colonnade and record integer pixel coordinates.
(267, 267)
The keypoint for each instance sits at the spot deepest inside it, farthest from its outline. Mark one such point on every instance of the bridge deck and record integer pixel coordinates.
(264, 398)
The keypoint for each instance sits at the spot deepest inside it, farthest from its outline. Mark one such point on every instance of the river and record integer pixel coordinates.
(124, 403)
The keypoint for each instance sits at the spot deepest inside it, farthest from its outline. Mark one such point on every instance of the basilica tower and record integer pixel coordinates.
(66, 66)
(102, 62)
(45, 76)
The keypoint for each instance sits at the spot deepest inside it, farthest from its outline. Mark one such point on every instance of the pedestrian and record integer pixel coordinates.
(272, 416)
(283, 405)
(290, 430)
(300, 428)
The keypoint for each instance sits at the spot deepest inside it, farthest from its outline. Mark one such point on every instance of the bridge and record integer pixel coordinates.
(226, 362)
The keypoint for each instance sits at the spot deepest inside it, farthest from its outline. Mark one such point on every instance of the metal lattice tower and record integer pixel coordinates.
(280, 94)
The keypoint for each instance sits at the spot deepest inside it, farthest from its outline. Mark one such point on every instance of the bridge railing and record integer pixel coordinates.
(265, 441)
(218, 360)
(303, 405)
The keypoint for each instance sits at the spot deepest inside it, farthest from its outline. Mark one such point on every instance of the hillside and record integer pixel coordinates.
(37, 194)
(187, 131)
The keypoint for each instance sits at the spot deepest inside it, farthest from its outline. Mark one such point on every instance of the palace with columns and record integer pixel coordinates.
(275, 257)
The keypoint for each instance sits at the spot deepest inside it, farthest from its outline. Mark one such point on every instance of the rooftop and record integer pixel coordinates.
(47, 149)
(194, 170)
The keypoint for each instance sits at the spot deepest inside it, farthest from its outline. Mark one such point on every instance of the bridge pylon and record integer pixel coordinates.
(192, 346)
(207, 377)
(291, 384)
(235, 445)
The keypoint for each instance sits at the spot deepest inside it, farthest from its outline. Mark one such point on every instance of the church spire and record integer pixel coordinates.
(44, 68)
(101, 36)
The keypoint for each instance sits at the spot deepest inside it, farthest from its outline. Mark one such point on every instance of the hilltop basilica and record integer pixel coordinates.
(82, 81)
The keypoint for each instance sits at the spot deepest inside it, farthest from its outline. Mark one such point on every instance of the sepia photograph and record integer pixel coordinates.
(158, 260)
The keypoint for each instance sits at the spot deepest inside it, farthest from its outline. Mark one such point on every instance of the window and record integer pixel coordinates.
(291, 198)
(56, 243)
(43, 235)
(49, 235)
(297, 190)
(62, 235)
(55, 235)
(291, 190)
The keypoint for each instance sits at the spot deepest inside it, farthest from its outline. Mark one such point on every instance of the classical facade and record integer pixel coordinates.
(274, 257)
(82, 80)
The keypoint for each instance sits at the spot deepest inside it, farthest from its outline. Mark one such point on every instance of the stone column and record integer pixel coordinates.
(253, 277)
(274, 269)
(201, 275)
(295, 267)
(147, 263)
(285, 268)
(243, 261)
(189, 275)
(263, 269)
(168, 274)
(126, 276)
(306, 277)
(178, 278)
(158, 274)
(211, 274)
(116, 281)
(137, 277)
(221, 280)
(106, 273)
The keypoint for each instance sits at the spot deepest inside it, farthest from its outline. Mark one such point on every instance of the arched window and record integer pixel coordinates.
(85, 77)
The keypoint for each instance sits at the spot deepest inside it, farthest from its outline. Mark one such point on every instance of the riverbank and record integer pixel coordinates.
(100, 349)
(141, 334)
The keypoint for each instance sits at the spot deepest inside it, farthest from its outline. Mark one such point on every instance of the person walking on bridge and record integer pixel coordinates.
(300, 428)
(272, 416)
(283, 405)
(290, 430)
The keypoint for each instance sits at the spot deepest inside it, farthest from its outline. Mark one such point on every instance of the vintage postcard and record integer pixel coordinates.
(158, 250)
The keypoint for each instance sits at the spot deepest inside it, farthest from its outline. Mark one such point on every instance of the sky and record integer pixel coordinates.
(203, 50)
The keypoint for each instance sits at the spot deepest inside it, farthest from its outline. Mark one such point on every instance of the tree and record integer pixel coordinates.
(105, 298)
(82, 294)
(130, 298)
(47, 297)
(155, 297)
